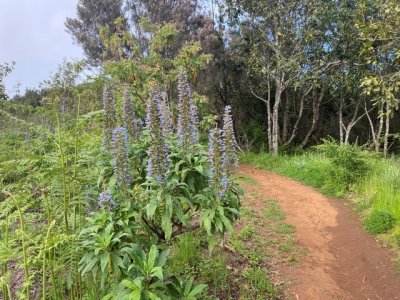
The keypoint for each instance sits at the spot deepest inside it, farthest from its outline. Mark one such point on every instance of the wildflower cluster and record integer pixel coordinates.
(188, 116)
(230, 160)
(129, 120)
(120, 153)
(105, 200)
(158, 160)
(110, 121)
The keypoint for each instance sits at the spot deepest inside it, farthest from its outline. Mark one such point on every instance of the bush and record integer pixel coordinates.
(349, 163)
(379, 222)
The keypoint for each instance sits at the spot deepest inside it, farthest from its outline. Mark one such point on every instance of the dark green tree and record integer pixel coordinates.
(92, 15)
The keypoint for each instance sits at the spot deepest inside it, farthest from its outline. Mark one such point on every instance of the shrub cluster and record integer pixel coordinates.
(161, 185)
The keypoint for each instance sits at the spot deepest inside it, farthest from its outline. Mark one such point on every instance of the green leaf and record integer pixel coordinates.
(157, 272)
(132, 285)
(117, 261)
(90, 265)
(104, 260)
(197, 290)
(207, 225)
(151, 207)
(188, 286)
(152, 257)
(199, 169)
(162, 258)
(166, 223)
(225, 220)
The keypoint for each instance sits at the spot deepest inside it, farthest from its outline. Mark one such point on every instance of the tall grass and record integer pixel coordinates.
(312, 168)
(382, 186)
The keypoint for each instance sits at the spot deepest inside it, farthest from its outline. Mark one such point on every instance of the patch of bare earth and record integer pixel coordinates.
(342, 260)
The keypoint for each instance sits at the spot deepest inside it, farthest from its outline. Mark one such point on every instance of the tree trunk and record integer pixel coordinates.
(387, 129)
(300, 114)
(341, 120)
(316, 110)
(285, 124)
(275, 118)
(380, 128)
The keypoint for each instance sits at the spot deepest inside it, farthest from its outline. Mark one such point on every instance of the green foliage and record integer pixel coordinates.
(334, 169)
(51, 176)
(349, 163)
(381, 186)
(378, 222)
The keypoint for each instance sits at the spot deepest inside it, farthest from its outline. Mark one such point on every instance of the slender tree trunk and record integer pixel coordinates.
(352, 122)
(267, 103)
(269, 125)
(380, 128)
(316, 112)
(299, 115)
(371, 124)
(341, 120)
(285, 125)
(387, 130)
(269, 117)
(275, 118)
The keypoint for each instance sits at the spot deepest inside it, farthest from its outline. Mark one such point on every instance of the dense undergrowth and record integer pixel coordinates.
(87, 215)
(371, 181)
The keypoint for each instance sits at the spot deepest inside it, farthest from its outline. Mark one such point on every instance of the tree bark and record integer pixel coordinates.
(387, 129)
(285, 124)
(341, 139)
(275, 117)
(316, 112)
(300, 114)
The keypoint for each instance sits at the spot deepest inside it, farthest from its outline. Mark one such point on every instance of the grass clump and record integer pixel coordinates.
(379, 222)
(258, 284)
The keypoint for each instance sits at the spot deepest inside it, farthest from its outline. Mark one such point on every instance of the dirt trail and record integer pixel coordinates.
(343, 261)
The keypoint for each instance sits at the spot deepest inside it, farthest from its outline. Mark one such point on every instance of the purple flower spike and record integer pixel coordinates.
(106, 201)
(110, 120)
(158, 152)
(188, 117)
(219, 180)
(120, 153)
(129, 120)
(230, 160)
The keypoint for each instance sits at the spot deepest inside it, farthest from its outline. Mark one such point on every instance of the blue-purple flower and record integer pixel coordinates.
(230, 160)
(219, 180)
(165, 111)
(120, 155)
(110, 119)
(188, 117)
(105, 200)
(158, 152)
(129, 120)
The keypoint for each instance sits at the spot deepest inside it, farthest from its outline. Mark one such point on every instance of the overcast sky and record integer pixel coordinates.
(32, 33)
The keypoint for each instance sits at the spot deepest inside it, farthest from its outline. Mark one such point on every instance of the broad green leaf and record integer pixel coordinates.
(104, 260)
(197, 290)
(152, 257)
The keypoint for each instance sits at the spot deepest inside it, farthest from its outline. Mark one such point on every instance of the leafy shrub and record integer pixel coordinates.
(379, 222)
(349, 163)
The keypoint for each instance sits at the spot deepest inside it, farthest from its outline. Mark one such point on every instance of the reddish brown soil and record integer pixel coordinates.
(342, 260)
